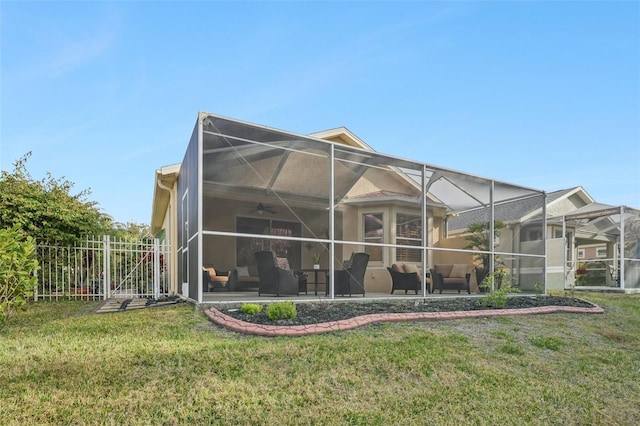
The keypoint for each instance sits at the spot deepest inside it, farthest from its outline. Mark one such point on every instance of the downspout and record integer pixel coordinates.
(166, 188)
(174, 280)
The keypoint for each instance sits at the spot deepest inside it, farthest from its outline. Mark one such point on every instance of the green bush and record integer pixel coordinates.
(281, 310)
(251, 308)
(17, 265)
(497, 297)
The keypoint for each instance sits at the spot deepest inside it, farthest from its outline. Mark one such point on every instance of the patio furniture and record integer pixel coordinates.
(454, 276)
(351, 279)
(242, 279)
(302, 281)
(403, 280)
(316, 274)
(274, 280)
(214, 280)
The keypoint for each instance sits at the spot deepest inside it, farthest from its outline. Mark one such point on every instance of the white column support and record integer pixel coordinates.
(106, 265)
(425, 226)
(332, 235)
(156, 268)
(544, 238)
(622, 254)
(492, 238)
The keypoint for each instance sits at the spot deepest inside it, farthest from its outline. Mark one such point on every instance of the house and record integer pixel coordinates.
(242, 188)
(575, 226)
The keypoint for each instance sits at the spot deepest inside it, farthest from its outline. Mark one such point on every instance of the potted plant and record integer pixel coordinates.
(316, 261)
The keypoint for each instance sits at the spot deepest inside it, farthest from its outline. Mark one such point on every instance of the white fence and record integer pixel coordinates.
(104, 268)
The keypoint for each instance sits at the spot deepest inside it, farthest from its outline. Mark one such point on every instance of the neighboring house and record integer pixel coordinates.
(570, 243)
(242, 188)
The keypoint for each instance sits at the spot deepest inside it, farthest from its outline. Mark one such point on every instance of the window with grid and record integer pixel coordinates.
(408, 233)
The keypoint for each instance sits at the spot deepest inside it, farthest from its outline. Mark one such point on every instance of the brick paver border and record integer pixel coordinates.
(301, 330)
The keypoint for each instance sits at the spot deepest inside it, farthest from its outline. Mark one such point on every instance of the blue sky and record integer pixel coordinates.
(542, 94)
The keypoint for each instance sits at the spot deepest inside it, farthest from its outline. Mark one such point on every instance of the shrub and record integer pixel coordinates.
(251, 308)
(281, 310)
(497, 298)
(17, 265)
(538, 288)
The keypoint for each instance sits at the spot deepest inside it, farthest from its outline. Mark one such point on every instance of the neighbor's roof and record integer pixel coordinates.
(506, 212)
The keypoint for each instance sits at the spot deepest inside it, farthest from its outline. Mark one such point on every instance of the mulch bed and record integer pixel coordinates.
(320, 312)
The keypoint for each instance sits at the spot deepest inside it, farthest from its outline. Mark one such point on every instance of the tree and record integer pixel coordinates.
(132, 231)
(46, 210)
(479, 240)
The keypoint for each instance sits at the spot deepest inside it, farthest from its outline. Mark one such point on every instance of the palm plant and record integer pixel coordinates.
(478, 237)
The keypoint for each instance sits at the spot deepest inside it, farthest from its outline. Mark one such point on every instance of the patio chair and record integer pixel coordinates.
(213, 280)
(452, 277)
(274, 280)
(404, 280)
(351, 279)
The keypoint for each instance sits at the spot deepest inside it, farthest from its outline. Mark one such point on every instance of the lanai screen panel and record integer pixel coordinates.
(255, 171)
(187, 204)
(632, 248)
(599, 223)
(373, 192)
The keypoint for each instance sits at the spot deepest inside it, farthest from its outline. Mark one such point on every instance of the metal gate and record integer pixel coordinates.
(104, 268)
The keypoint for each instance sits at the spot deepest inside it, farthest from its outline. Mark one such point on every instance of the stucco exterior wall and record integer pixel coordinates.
(555, 264)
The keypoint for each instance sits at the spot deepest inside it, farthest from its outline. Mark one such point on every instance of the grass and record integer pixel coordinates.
(60, 364)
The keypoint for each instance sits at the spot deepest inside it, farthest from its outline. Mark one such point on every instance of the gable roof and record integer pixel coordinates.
(342, 135)
(512, 211)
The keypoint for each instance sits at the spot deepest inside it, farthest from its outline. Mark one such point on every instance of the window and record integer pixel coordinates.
(531, 233)
(408, 233)
(246, 247)
(373, 233)
(601, 252)
(580, 253)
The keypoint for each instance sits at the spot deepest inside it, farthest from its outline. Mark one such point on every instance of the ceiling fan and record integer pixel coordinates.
(261, 208)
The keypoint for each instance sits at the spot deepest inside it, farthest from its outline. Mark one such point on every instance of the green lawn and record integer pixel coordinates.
(61, 364)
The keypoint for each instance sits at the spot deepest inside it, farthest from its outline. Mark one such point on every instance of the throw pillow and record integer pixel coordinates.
(243, 271)
(397, 268)
(282, 263)
(459, 270)
(410, 268)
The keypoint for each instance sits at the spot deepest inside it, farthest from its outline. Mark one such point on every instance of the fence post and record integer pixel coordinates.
(106, 264)
(156, 268)
(35, 274)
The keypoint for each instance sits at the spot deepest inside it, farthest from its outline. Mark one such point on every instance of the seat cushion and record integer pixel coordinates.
(211, 270)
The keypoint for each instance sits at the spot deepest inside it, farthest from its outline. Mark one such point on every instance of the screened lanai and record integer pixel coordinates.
(605, 247)
(313, 203)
